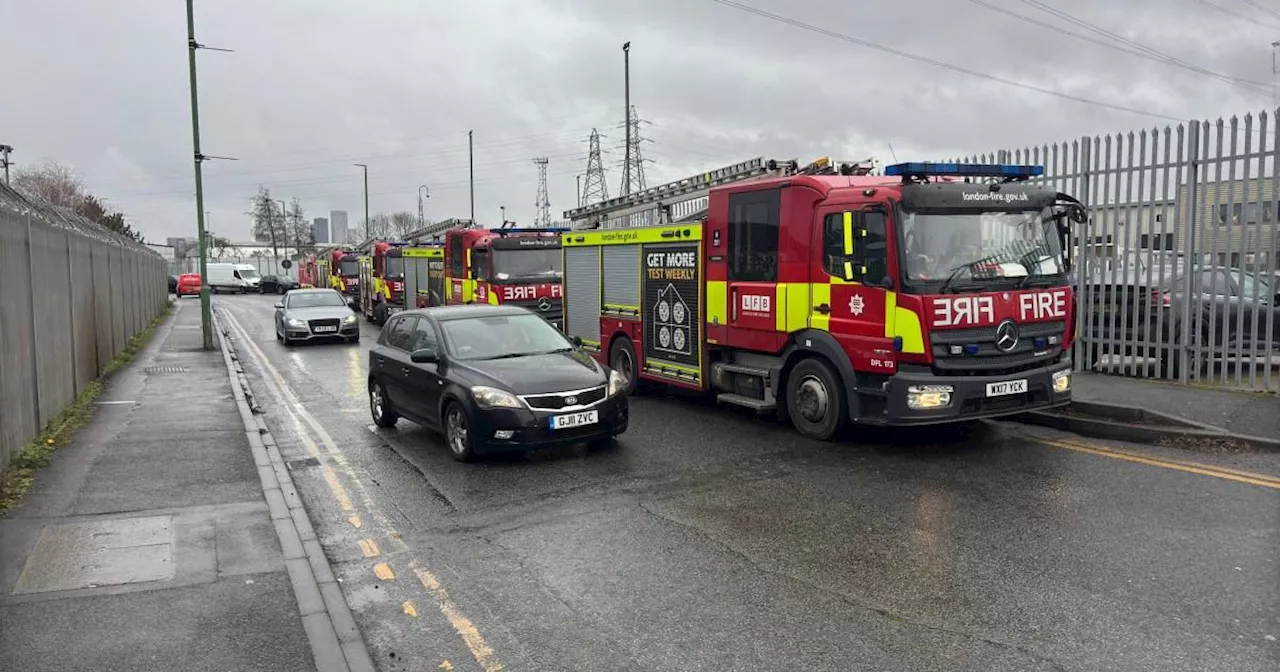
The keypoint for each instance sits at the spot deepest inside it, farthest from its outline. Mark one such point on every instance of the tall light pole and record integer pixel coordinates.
(1275, 96)
(368, 235)
(626, 76)
(471, 166)
(284, 223)
(421, 195)
(503, 208)
(206, 314)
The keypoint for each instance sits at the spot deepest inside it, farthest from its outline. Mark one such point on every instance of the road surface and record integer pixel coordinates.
(711, 540)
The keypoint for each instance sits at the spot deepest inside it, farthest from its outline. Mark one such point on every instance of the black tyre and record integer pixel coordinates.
(261, 290)
(279, 289)
(622, 358)
(380, 406)
(456, 434)
(353, 340)
(816, 400)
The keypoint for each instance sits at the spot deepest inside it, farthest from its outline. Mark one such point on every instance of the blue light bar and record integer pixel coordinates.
(962, 170)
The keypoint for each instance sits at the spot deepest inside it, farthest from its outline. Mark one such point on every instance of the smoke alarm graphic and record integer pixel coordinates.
(672, 324)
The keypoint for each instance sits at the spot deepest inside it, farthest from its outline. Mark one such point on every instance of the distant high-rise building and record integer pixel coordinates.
(338, 227)
(320, 230)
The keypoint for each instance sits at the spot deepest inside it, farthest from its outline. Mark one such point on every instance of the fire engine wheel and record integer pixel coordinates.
(815, 400)
(622, 358)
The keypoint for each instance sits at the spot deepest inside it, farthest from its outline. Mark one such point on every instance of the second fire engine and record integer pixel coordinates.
(505, 266)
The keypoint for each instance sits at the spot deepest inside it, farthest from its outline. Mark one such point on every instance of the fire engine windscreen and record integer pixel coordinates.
(980, 247)
(395, 267)
(349, 267)
(540, 264)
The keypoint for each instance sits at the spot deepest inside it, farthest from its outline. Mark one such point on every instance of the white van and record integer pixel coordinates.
(225, 278)
(249, 274)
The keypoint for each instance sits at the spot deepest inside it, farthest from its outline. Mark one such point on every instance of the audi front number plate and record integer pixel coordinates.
(1006, 388)
(575, 419)
(320, 330)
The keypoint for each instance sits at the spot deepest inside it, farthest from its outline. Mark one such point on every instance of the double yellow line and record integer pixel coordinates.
(1248, 477)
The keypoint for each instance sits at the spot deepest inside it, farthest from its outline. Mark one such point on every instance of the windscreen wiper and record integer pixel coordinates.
(951, 277)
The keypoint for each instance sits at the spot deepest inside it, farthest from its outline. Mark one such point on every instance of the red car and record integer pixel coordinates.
(188, 285)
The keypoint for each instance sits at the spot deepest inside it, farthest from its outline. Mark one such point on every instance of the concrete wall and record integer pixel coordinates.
(71, 296)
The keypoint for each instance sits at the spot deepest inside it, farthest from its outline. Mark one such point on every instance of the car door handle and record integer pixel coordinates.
(405, 371)
(381, 361)
(822, 308)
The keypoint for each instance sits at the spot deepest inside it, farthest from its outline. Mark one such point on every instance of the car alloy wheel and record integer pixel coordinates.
(456, 433)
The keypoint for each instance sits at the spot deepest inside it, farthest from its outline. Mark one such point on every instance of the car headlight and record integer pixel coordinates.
(295, 322)
(492, 397)
(350, 319)
(616, 382)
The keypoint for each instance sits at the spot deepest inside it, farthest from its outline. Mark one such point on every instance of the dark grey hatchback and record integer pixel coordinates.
(492, 379)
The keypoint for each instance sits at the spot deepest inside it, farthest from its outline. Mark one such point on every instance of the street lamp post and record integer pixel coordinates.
(367, 229)
(423, 192)
(284, 223)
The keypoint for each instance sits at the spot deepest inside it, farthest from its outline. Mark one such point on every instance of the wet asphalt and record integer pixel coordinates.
(708, 539)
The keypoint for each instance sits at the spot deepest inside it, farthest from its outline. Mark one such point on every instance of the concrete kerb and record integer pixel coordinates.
(331, 629)
(1118, 422)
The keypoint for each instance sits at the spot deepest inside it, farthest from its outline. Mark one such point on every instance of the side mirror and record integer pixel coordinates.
(279, 306)
(576, 341)
(424, 357)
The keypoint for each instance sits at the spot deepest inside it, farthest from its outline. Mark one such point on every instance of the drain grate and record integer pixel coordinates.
(165, 369)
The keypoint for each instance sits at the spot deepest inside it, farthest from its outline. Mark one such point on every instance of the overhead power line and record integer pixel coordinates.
(1262, 8)
(942, 64)
(1242, 17)
(1255, 87)
(1159, 55)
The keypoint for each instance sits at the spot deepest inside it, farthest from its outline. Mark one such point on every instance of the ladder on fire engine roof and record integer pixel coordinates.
(660, 204)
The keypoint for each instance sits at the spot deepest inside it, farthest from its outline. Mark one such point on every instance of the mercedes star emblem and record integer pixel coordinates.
(1006, 336)
(544, 305)
(570, 400)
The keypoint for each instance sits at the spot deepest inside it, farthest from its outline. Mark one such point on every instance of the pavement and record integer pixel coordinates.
(148, 543)
(1253, 413)
(708, 539)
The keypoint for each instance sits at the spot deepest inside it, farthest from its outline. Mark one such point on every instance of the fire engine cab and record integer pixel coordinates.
(505, 266)
(381, 288)
(932, 293)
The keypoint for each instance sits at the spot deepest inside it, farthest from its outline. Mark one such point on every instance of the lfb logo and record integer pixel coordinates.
(757, 303)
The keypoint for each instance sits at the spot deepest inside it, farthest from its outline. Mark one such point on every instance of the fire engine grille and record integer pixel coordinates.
(978, 354)
(544, 307)
(557, 401)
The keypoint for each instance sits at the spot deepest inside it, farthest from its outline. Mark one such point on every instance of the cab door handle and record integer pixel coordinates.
(823, 308)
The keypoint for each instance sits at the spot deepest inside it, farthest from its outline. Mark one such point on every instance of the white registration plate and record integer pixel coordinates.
(575, 419)
(1006, 388)
(321, 330)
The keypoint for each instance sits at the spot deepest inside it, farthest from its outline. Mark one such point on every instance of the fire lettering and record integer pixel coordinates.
(1035, 306)
(964, 311)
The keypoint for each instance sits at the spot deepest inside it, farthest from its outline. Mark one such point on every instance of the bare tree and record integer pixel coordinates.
(268, 224)
(300, 234)
(402, 224)
(51, 181)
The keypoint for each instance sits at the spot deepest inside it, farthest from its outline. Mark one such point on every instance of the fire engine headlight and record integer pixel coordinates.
(616, 383)
(1061, 381)
(492, 397)
(925, 397)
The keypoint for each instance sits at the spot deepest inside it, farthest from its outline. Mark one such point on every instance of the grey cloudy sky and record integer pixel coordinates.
(317, 85)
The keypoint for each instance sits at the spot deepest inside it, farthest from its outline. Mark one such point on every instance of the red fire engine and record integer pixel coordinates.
(381, 288)
(505, 266)
(828, 294)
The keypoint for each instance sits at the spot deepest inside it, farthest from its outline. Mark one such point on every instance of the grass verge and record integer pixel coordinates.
(17, 479)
